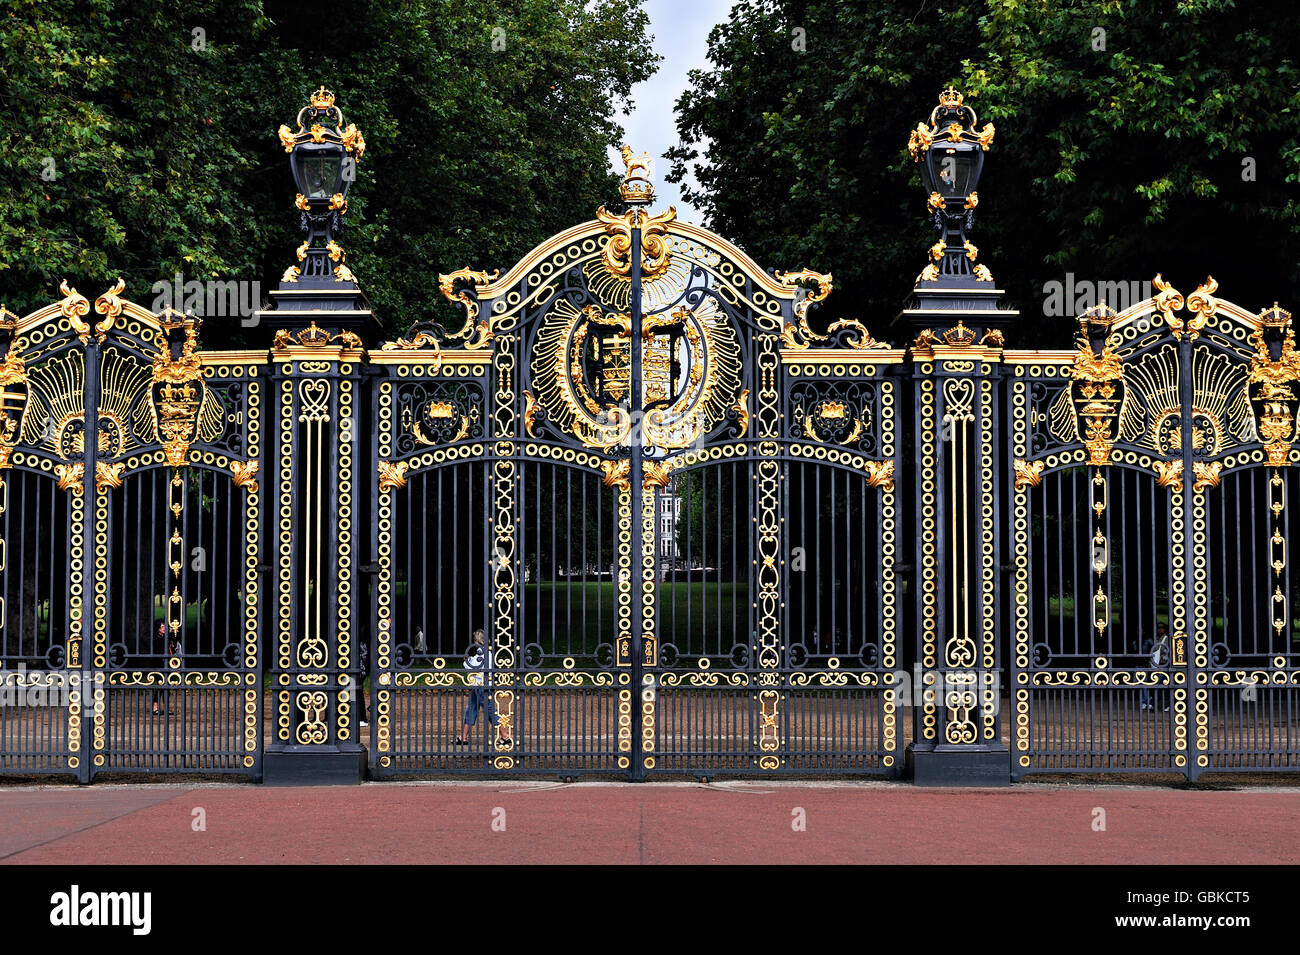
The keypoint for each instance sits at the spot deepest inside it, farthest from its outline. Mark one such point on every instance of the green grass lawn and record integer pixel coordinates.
(571, 634)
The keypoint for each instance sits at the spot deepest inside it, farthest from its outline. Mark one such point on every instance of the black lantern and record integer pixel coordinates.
(323, 154)
(951, 156)
(318, 170)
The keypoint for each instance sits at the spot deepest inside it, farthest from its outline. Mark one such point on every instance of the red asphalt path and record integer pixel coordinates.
(388, 823)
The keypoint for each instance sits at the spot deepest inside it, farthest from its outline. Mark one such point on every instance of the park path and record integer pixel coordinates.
(545, 822)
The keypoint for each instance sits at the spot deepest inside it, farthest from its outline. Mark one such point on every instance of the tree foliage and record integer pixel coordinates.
(139, 138)
(1118, 154)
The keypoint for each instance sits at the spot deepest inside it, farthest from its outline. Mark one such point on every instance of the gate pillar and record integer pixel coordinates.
(313, 499)
(955, 326)
(956, 362)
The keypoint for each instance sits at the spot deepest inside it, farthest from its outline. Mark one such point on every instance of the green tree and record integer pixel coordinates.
(139, 139)
(1117, 155)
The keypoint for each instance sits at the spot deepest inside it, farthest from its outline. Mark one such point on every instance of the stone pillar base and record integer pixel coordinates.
(313, 765)
(943, 764)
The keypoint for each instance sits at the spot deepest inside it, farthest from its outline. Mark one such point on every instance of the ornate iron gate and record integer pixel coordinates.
(670, 507)
(130, 547)
(1151, 499)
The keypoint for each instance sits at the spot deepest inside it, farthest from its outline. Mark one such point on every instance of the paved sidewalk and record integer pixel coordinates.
(752, 822)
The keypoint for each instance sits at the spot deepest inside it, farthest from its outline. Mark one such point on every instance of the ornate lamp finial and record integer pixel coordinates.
(323, 154)
(950, 152)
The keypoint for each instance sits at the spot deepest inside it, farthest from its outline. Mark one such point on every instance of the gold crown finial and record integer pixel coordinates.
(1275, 317)
(960, 336)
(1101, 314)
(322, 98)
(636, 187)
(950, 97)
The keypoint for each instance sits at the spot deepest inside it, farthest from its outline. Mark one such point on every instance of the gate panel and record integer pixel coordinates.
(36, 520)
(565, 710)
(1151, 488)
(130, 555)
(1250, 706)
(438, 599)
(1094, 700)
(432, 534)
(840, 623)
(706, 614)
(186, 710)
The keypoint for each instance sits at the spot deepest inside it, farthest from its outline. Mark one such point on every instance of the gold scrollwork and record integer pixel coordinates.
(656, 474)
(245, 475)
(1203, 306)
(69, 475)
(616, 252)
(108, 475)
(74, 307)
(568, 679)
(313, 706)
(704, 678)
(617, 473)
(475, 334)
(392, 475)
(110, 306)
(1207, 474)
(1167, 300)
(742, 412)
(530, 412)
(825, 285)
(769, 704)
(1169, 474)
(880, 474)
(1028, 473)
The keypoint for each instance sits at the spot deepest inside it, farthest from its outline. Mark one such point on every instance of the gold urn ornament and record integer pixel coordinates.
(1273, 384)
(1097, 390)
(178, 388)
(14, 392)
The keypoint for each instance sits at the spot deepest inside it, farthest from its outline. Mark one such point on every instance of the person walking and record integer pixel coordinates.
(363, 670)
(174, 662)
(479, 697)
(1158, 653)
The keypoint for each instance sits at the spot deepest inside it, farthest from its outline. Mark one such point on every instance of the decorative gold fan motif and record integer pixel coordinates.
(55, 419)
(1152, 419)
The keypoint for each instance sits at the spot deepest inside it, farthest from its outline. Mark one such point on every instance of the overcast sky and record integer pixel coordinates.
(681, 36)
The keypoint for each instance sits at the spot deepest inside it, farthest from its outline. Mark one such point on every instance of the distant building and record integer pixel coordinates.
(669, 511)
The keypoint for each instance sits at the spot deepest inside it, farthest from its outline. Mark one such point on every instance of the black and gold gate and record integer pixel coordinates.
(1154, 629)
(128, 544)
(665, 501)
